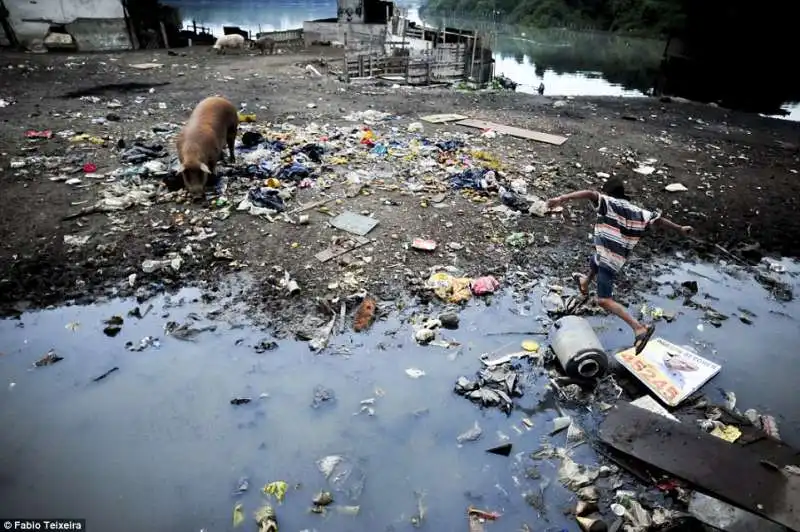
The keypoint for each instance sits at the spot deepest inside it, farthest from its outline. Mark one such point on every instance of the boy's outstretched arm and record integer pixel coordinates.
(669, 224)
(592, 195)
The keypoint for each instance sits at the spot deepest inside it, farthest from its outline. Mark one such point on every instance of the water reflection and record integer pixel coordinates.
(569, 63)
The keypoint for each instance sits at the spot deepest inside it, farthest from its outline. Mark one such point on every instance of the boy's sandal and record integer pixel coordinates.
(641, 340)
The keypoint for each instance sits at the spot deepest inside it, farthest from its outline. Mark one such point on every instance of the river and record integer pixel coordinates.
(568, 63)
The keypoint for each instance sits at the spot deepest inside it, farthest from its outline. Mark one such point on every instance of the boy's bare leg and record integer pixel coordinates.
(615, 308)
(585, 281)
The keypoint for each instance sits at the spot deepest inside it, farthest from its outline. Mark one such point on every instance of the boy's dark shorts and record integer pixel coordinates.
(605, 278)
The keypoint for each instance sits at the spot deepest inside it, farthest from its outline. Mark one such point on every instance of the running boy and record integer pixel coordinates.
(619, 227)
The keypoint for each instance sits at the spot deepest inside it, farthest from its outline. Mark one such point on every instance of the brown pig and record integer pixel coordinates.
(201, 144)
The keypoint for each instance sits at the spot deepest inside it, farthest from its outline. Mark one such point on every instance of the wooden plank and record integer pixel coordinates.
(514, 131)
(442, 118)
(313, 205)
(713, 465)
(337, 251)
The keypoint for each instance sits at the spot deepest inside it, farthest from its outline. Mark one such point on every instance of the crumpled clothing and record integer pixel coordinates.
(251, 139)
(267, 198)
(514, 201)
(450, 145)
(314, 152)
(293, 172)
(449, 288)
(140, 153)
(492, 387)
(474, 178)
(484, 285)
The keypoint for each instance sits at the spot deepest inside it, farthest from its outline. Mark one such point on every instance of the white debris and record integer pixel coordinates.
(644, 170)
(415, 373)
(675, 187)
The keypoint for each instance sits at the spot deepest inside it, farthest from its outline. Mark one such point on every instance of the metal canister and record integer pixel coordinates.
(578, 348)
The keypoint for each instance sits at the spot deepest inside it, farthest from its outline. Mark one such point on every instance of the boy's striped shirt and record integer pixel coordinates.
(620, 225)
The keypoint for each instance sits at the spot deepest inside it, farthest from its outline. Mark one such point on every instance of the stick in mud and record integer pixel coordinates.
(533, 333)
(106, 374)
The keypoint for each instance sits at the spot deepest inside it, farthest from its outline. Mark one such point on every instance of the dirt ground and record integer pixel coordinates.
(740, 171)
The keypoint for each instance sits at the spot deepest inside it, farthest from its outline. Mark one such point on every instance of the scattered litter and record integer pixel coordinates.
(48, 359)
(143, 344)
(575, 476)
(448, 288)
(675, 187)
(684, 371)
(322, 395)
(354, 223)
(113, 326)
(146, 66)
(365, 314)
(415, 373)
(471, 434)
(423, 244)
(106, 374)
(237, 401)
(493, 387)
(644, 170)
(532, 346)
(484, 285)
(560, 423)
(238, 514)
(266, 519)
(502, 450)
(277, 489)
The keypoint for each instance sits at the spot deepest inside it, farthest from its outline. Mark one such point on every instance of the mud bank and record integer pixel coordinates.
(739, 171)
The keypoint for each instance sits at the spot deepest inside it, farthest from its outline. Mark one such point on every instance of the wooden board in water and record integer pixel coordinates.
(729, 472)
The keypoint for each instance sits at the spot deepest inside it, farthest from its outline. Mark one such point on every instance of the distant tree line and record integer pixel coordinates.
(655, 18)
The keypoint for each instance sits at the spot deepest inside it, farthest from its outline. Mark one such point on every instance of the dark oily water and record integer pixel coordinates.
(158, 445)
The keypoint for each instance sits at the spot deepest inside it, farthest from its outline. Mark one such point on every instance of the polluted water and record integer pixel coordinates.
(187, 414)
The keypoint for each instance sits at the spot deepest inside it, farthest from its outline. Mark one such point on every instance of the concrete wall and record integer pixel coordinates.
(359, 36)
(99, 24)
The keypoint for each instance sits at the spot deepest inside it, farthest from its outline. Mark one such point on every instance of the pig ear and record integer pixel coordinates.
(180, 169)
(204, 168)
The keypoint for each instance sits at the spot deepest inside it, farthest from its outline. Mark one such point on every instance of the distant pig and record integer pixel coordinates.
(265, 44)
(201, 144)
(233, 41)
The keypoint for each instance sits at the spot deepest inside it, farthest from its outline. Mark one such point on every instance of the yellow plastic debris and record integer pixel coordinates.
(243, 118)
(728, 433)
(530, 345)
(295, 245)
(449, 288)
(277, 489)
(238, 515)
(85, 137)
(273, 183)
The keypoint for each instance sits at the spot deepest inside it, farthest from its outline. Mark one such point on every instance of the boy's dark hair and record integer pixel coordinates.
(615, 188)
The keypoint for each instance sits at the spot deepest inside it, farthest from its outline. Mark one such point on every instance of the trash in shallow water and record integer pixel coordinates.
(238, 515)
(236, 401)
(560, 423)
(185, 332)
(484, 285)
(322, 395)
(242, 485)
(365, 314)
(501, 450)
(48, 359)
(277, 489)
(492, 387)
(449, 288)
(345, 475)
(575, 476)
(471, 434)
(106, 374)
(144, 343)
(113, 326)
(266, 519)
(415, 373)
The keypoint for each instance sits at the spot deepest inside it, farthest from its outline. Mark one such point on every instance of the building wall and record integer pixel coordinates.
(31, 19)
(358, 36)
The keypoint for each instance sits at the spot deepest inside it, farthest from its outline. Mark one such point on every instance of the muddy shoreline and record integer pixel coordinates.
(740, 172)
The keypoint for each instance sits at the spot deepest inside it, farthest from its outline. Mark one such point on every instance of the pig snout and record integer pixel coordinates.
(194, 181)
